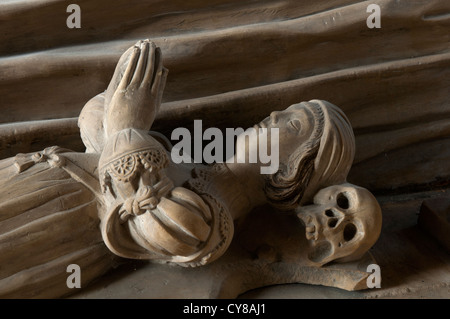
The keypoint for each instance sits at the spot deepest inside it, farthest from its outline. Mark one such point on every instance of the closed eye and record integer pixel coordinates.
(295, 124)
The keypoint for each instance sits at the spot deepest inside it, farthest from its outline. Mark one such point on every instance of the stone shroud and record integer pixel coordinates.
(391, 82)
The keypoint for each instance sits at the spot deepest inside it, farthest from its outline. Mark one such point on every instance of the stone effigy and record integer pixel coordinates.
(126, 198)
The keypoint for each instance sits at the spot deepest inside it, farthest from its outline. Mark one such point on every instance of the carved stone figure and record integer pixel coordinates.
(125, 197)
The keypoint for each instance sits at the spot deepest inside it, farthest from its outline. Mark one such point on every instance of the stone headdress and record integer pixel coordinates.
(126, 151)
(336, 150)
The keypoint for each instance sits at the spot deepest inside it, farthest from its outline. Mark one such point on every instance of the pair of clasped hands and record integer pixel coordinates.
(133, 97)
(132, 100)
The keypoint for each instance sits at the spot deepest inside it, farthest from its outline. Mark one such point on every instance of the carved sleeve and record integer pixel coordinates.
(183, 228)
(147, 217)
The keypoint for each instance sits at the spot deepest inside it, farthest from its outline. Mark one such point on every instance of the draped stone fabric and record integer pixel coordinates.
(233, 62)
(48, 220)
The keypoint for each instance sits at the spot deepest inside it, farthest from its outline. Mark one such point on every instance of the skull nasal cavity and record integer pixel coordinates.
(332, 222)
(329, 213)
(342, 201)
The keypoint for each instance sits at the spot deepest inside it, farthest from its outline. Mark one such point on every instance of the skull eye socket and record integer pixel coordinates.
(349, 232)
(342, 201)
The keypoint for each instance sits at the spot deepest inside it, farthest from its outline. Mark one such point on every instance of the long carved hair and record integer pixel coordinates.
(286, 187)
(324, 160)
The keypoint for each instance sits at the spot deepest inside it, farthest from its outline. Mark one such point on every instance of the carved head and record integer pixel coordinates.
(295, 127)
(316, 147)
(342, 224)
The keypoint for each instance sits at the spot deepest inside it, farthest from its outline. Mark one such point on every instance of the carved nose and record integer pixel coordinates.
(274, 116)
(332, 218)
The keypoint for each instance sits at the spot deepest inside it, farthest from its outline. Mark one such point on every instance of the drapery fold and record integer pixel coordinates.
(232, 62)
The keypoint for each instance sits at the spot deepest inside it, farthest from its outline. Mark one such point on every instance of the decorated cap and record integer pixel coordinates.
(126, 150)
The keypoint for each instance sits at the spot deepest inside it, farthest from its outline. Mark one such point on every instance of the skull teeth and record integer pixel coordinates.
(311, 232)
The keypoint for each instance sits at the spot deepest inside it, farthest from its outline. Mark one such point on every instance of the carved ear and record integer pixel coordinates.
(117, 238)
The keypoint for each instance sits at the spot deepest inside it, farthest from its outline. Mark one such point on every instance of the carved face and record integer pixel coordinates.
(295, 125)
(342, 224)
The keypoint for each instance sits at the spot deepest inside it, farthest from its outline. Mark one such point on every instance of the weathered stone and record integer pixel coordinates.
(269, 250)
(135, 201)
(434, 218)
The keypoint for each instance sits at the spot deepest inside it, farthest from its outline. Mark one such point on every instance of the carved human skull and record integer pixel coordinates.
(342, 224)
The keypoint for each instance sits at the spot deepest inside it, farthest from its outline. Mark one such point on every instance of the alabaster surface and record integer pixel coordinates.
(126, 197)
(232, 62)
